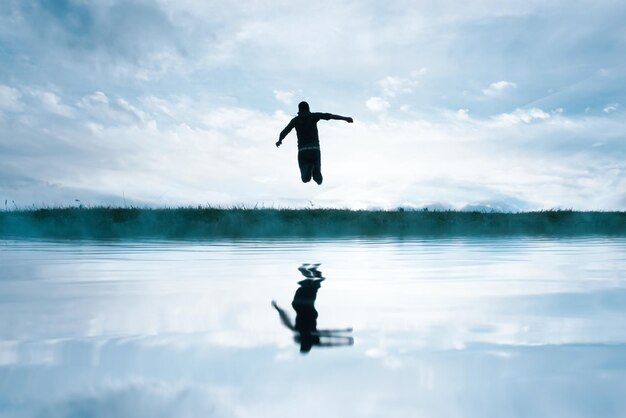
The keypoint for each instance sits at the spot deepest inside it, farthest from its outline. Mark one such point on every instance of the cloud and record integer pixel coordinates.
(498, 88)
(99, 107)
(133, 38)
(52, 103)
(521, 116)
(285, 97)
(610, 108)
(463, 115)
(10, 98)
(391, 86)
(377, 104)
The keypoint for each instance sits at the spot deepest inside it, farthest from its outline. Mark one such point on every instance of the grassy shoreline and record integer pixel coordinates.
(209, 223)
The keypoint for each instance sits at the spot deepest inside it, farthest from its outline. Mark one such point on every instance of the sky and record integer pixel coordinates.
(504, 105)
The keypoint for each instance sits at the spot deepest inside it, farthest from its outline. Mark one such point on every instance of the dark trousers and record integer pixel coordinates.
(310, 165)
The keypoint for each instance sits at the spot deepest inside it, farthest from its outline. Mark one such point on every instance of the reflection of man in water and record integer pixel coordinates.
(309, 158)
(306, 315)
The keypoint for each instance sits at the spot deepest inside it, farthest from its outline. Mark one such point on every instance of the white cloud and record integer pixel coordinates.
(391, 86)
(129, 109)
(377, 104)
(498, 88)
(285, 97)
(521, 116)
(10, 98)
(119, 111)
(610, 108)
(419, 72)
(463, 115)
(96, 98)
(52, 103)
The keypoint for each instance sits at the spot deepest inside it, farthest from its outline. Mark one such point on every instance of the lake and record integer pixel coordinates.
(484, 327)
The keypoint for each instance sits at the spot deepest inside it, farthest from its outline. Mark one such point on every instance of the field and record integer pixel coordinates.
(210, 222)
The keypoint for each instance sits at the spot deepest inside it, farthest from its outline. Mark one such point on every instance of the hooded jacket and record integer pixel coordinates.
(306, 128)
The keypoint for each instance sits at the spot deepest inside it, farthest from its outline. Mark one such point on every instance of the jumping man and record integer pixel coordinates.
(308, 140)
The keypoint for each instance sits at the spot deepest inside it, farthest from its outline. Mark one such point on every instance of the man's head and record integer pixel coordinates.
(303, 107)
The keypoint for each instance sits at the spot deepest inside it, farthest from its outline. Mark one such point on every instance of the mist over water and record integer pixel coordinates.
(478, 327)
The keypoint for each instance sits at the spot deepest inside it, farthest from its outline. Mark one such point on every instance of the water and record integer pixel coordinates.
(449, 328)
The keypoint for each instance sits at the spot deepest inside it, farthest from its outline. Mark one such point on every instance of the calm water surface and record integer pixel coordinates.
(440, 328)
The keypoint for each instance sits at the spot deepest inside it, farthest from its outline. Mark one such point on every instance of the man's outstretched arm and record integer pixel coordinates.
(284, 133)
(284, 317)
(328, 116)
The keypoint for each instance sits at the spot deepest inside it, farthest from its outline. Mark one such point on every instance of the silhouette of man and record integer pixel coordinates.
(308, 140)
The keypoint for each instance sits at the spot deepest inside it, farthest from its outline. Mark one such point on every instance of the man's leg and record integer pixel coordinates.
(317, 167)
(305, 166)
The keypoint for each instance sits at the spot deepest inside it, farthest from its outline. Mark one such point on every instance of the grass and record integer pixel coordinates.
(239, 222)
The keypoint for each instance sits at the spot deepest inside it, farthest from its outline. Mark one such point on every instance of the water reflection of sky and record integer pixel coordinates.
(506, 327)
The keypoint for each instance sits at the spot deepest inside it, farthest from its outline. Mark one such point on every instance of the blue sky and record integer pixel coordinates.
(504, 104)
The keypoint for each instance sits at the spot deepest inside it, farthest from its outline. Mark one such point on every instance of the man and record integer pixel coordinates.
(308, 140)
